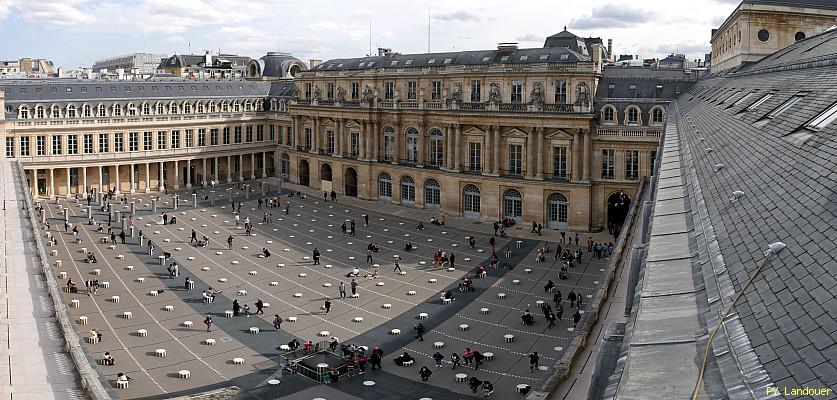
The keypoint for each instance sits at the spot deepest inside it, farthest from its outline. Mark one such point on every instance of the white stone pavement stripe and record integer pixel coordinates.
(141, 305)
(99, 309)
(476, 343)
(512, 329)
(525, 277)
(528, 378)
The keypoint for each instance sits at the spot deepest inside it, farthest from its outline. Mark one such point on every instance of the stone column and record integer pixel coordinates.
(338, 133)
(154, 205)
(147, 177)
(203, 172)
(116, 167)
(498, 144)
(446, 145)
(398, 144)
(99, 190)
(375, 139)
(264, 165)
(487, 150)
(176, 176)
(68, 183)
(131, 166)
(252, 166)
(422, 147)
(160, 184)
(188, 174)
(315, 136)
(51, 182)
(457, 150)
(588, 149)
(530, 153)
(229, 169)
(241, 167)
(575, 164)
(539, 151)
(83, 180)
(175, 200)
(217, 172)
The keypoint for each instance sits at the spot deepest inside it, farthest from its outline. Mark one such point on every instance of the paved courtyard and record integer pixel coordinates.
(292, 286)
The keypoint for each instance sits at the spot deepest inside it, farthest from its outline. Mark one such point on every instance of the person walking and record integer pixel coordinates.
(208, 322)
(397, 266)
(420, 330)
(454, 360)
(277, 321)
(551, 318)
(559, 311)
(236, 308)
(452, 260)
(438, 357)
(327, 305)
(365, 219)
(122, 236)
(316, 256)
(368, 256)
(259, 306)
(354, 288)
(229, 242)
(576, 318)
(468, 356)
(533, 361)
(342, 289)
(377, 356)
(194, 237)
(425, 373)
(478, 357)
(343, 228)
(571, 298)
(352, 228)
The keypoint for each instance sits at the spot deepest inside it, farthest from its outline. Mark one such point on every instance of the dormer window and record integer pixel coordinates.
(408, 62)
(485, 59)
(504, 58)
(543, 57)
(524, 58)
(448, 60)
(431, 61)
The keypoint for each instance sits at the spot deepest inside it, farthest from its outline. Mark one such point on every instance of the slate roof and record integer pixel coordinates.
(822, 4)
(789, 315)
(479, 57)
(646, 94)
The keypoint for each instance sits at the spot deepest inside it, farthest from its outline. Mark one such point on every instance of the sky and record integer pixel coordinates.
(75, 33)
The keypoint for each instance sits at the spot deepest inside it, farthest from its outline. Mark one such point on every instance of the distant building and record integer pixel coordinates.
(673, 61)
(36, 67)
(9, 67)
(134, 62)
(275, 66)
(207, 66)
(578, 44)
(758, 28)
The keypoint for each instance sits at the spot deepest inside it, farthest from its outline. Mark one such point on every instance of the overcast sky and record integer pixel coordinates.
(77, 32)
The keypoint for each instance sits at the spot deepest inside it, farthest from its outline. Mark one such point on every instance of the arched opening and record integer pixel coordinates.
(618, 205)
(412, 145)
(512, 205)
(384, 187)
(325, 172)
(285, 166)
(350, 182)
(556, 211)
(304, 174)
(471, 202)
(408, 191)
(432, 194)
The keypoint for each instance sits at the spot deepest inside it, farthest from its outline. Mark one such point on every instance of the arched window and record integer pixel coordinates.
(23, 112)
(117, 110)
(432, 194)
(248, 106)
(131, 109)
(71, 111)
(236, 107)
(212, 107)
(101, 111)
(632, 117)
(54, 111)
(272, 104)
(436, 148)
(556, 211)
(159, 109)
(146, 109)
(389, 143)
(258, 105)
(408, 190)
(657, 115)
(286, 165)
(86, 111)
(608, 115)
(39, 112)
(174, 108)
(412, 145)
(225, 106)
(512, 205)
(471, 201)
(384, 187)
(187, 107)
(199, 107)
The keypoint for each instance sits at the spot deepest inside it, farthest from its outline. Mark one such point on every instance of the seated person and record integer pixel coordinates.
(108, 359)
(549, 285)
(265, 252)
(435, 221)
(355, 272)
(480, 271)
(420, 226)
(121, 377)
(408, 246)
(173, 221)
(400, 360)
(373, 275)
(100, 229)
(563, 275)
(167, 255)
(448, 295)
(92, 258)
(527, 318)
(375, 247)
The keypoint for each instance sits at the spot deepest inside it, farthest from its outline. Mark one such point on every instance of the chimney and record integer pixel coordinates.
(384, 52)
(314, 62)
(506, 47)
(207, 59)
(610, 47)
(120, 73)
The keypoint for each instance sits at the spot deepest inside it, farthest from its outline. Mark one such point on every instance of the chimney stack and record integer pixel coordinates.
(610, 47)
(314, 62)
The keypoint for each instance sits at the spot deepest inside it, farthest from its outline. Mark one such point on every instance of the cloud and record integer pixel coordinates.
(5, 8)
(324, 25)
(613, 16)
(362, 13)
(51, 12)
(683, 48)
(169, 17)
(461, 16)
(530, 37)
(717, 21)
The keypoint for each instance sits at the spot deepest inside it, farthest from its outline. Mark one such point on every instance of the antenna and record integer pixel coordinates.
(429, 20)
(370, 37)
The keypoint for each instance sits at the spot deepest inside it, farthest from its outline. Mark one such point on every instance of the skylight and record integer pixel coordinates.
(504, 58)
(448, 60)
(565, 57)
(544, 56)
(431, 61)
(393, 63)
(821, 121)
(484, 59)
(524, 58)
(408, 62)
(743, 99)
(785, 106)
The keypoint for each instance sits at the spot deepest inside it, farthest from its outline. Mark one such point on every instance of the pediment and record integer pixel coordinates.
(473, 131)
(515, 132)
(558, 134)
(352, 124)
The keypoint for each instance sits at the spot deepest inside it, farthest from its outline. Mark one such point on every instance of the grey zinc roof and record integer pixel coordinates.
(646, 95)
(480, 57)
(822, 4)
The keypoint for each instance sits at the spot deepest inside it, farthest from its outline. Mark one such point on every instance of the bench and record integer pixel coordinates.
(285, 347)
(91, 339)
(447, 301)
(121, 384)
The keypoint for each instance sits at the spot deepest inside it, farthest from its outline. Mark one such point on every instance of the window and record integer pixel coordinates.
(40, 145)
(103, 143)
(785, 106)
(189, 136)
(471, 201)
(132, 110)
(743, 99)
(560, 91)
(631, 164)
(821, 121)
(201, 137)
(355, 90)
(556, 211)
(517, 91)
(88, 144)
(56, 145)
(118, 143)
(72, 144)
(225, 135)
(159, 108)
(475, 91)
(86, 111)
(308, 139)
(213, 136)
(764, 35)
(355, 144)
(161, 140)
(330, 142)
(474, 156)
(175, 139)
(436, 147)
(237, 134)
(652, 159)
(559, 163)
(199, 108)
(147, 141)
(211, 108)
(633, 116)
(10, 147)
(411, 90)
(609, 115)
(389, 143)
(432, 194)
(248, 133)
(24, 146)
(512, 204)
(515, 159)
(412, 145)
(289, 135)
(187, 108)
(54, 112)
(260, 133)
(608, 156)
(657, 116)
(436, 90)
(308, 90)
(71, 111)
(799, 36)
(101, 111)
(384, 187)
(174, 108)
(117, 110)
(408, 190)
(24, 112)
(330, 91)
(759, 102)
(272, 133)
(389, 90)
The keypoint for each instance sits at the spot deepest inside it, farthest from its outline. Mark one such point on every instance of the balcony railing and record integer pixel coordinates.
(634, 134)
(442, 105)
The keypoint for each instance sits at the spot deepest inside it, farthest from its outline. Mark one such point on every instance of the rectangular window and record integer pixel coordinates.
(389, 146)
(355, 92)
(560, 91)
(559, 163)
(330, 91)
(436, 90)
(476, 88)
(226, 136)
(118, 143)
(279, 137)
(10, 147)
(213, 137)
(88, 144)
(411, 90)
(201, 137)
(307, 138)
(40, 145)
(436, 145)
(189, 135)
(161, 140)
(631, 164)
(759, 102)
(272, 133)
(608, 157)
(517, 91)
(56, 145)
(653, 159)
(237, 134)
(389, 90)
(24, 146)
(308, 91)
(249, 133)
(147, 141)
(355, 143)
(175, 139)
(743, 99)
(474, 156)
(785, 106)
(289, 136)
(72, 144)
(330, 142)
(260, 133)
(103, 143)
(515, 159)
(133, 141)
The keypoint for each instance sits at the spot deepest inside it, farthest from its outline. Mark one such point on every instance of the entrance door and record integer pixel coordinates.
(556, 211)
(350, 182)
(303, 173)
